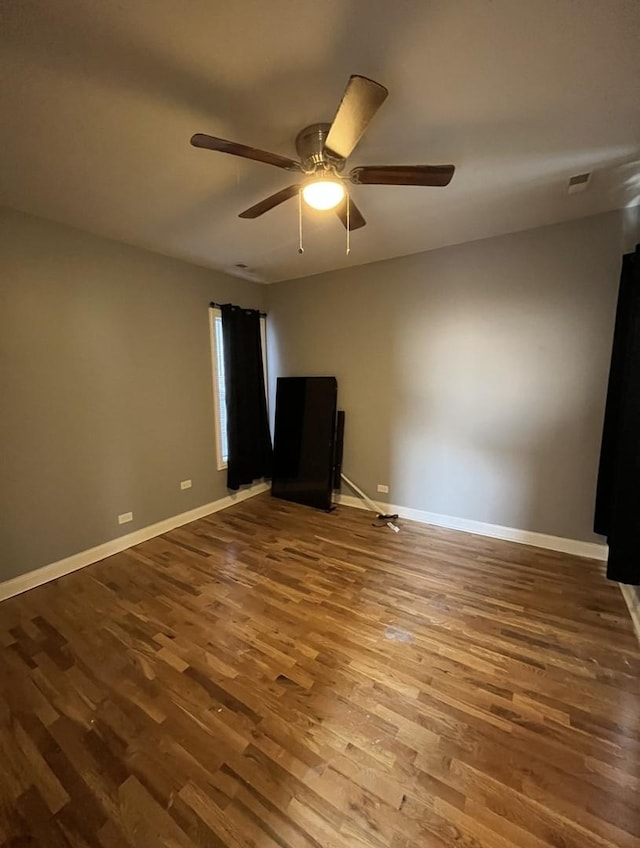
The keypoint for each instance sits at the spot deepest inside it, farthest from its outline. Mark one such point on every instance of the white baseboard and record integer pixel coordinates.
(592, 550)
(23, 582)
(632, 598)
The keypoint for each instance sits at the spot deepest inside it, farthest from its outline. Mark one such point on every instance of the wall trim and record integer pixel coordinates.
(632, 597)
(592, 550)
(24, 582)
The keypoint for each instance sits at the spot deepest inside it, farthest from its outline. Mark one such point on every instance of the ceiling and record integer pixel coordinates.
(99, 100)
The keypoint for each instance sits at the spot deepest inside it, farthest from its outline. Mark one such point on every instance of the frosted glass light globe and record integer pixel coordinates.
(323, 194)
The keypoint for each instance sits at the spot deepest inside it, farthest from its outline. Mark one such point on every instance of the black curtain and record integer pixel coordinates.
(248, 434)
(617, 514)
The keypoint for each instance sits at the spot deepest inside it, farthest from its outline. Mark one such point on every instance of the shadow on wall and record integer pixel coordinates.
(499, 419)
(311, 339)
(474, 377)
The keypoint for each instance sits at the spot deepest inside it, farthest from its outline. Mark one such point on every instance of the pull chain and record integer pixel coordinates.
(300, 247)
(348, 225)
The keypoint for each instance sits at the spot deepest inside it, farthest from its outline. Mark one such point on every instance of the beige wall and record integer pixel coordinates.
(105, 388)
(473, 377)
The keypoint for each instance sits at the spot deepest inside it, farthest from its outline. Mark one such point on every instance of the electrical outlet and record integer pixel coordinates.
(125, 517)
(185, 484)
(382, 488)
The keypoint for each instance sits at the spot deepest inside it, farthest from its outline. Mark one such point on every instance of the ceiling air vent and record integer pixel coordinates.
(579, 182)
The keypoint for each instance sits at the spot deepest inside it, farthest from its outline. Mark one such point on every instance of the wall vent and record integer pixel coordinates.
(579, 182)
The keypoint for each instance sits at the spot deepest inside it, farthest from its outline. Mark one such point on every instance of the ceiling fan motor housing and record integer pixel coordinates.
(310, 147)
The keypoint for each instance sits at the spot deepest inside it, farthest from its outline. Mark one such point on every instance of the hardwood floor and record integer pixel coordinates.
(275, 676)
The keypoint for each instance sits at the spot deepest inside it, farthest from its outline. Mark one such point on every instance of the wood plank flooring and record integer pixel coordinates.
(276, 676)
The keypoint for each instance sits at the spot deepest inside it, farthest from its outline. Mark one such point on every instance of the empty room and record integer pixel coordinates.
(320, 424)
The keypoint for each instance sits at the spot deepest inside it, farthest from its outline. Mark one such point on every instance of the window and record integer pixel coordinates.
(219, 391)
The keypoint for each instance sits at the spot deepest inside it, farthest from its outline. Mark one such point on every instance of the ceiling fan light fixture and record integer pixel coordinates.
(323, 150)
(323, 193)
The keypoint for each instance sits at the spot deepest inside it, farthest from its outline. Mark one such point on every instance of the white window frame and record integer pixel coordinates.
(214, 316)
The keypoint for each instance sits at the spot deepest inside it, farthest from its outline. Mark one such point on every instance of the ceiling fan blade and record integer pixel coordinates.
(361, 100)
(270, 202)
(414, 175)
(356, 218)
(210, 142)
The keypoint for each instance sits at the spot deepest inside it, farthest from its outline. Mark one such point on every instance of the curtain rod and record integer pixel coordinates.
(219, 305)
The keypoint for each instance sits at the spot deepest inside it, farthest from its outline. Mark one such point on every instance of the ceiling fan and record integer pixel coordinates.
(323, 150)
